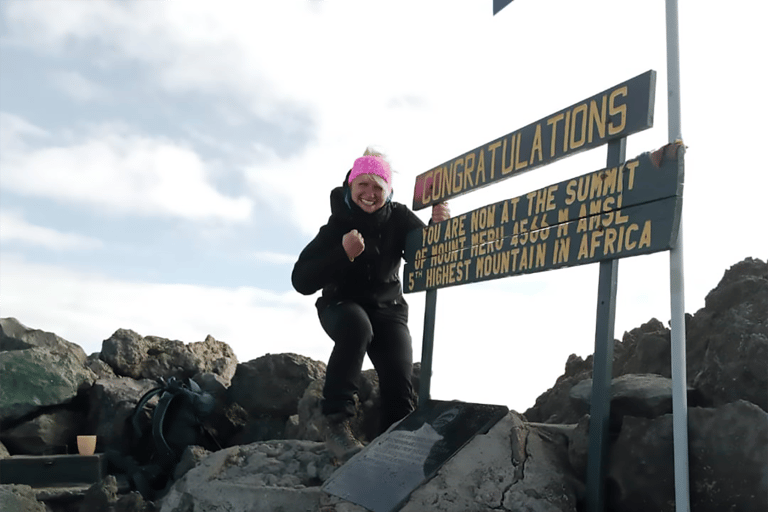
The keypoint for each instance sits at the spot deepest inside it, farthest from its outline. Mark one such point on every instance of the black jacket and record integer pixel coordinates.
(373, 278)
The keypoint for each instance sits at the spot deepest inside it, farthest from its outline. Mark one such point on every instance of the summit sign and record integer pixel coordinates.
(612, 114)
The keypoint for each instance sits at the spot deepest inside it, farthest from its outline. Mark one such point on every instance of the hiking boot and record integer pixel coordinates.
(339, 439)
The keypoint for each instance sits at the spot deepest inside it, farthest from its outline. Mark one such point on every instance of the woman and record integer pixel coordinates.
(355, 260)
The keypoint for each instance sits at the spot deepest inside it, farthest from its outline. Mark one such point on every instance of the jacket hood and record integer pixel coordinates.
(343, 207)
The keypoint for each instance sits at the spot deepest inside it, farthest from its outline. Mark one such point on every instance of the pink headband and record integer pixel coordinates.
(370, 164)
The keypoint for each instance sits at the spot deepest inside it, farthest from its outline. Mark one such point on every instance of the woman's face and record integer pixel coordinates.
(369, 192)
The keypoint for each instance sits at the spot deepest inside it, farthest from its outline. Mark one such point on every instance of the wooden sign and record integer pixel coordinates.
(612, 213)
(615, 113)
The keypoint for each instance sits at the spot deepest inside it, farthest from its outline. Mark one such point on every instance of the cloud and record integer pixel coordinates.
(16, 229)
(117, 172)
(86, 308)
(79, 87)
(276, 258)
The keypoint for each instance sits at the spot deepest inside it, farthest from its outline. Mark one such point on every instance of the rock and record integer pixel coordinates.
(132, 355)
(112, 403)
(644, 395)
(728, 451)
(645, 349)
(512, 467)
(4, 452)
(189, 459)
(217, 358)
(728, 351)
(52, 432)
(728, 447)
(554, 405)
(274, 475)
(269, 390)
(99, 367)
(16, 336)
(578, 448)
(100, 496)
(37, 377)
(273, 384)
(103, 496)
(19, 498)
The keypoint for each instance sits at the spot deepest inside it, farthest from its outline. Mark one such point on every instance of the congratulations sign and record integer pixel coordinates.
(615, 113)
(616, 212)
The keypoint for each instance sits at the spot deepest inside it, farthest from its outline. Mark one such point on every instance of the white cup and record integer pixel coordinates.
(86, 445)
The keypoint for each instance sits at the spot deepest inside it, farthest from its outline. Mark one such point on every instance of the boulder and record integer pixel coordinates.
(16, 336)
(645, 349)
(728, 447)
(103, 496)
(726, 349)
(48, 433)
(111, 405)
(728, 352)
(643, 395)
(38, 377)
(555, 404)
(216, 357)
(274, 383)
(259, 477)
(139, 357)
(513, 467)
(19, 498)
(99, 367)
(269, 390)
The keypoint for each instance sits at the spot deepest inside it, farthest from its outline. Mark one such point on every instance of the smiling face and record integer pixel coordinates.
(369, 192)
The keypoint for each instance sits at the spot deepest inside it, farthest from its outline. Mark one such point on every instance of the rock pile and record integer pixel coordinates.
(267, 426)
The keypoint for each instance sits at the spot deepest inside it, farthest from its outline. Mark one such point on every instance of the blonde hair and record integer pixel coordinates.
(369, 151)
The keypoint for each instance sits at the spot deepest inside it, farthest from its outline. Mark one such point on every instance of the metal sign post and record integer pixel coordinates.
(602, 366)
(677, 288)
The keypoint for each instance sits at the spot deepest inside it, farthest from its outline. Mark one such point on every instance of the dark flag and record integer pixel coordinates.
(499, 5)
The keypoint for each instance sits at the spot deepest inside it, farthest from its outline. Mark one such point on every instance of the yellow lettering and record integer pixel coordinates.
(536, 146)
(518, 164)
(645, 236)
(614, 110)
(456, 173)
(632, 166)
(562, 250)
(597, 119)
(581, 109)
(514, 202)
(493, 147)
(583, 247)
(562, 219)
(609, 180)
(610, 238)
(506, 169)
(570, 193)
(552, 121)
(627, 242)
(480, 167)
(469, 166)
(596, 235)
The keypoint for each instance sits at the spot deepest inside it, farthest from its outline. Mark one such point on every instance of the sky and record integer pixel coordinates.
(163, 163)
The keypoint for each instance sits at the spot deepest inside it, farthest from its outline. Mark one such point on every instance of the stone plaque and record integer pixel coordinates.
(383, 475)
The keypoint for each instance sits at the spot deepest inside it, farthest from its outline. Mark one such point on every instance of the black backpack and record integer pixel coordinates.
(177, 420)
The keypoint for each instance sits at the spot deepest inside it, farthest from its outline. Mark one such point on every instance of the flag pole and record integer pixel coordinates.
(677, 289)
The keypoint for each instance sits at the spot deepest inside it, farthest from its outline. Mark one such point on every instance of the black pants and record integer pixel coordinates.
(383, 334)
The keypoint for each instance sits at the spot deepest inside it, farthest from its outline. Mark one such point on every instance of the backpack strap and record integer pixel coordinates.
(166, 454)
(140, 407)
